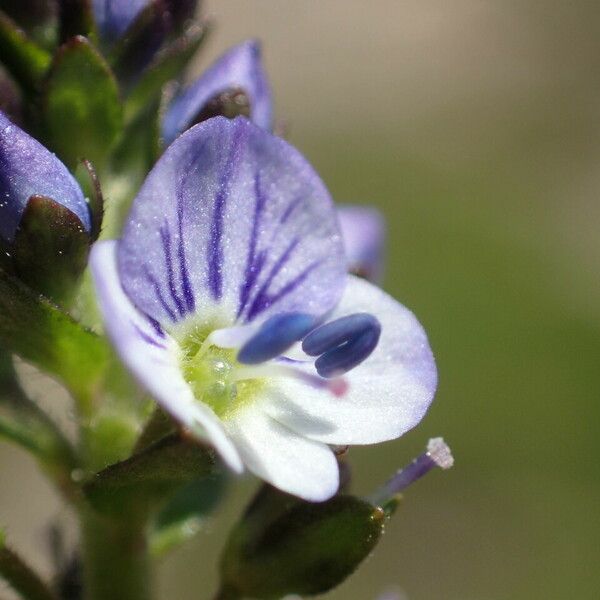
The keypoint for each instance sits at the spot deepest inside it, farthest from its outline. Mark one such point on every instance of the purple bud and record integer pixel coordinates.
(239, 71)
(363, 232)
(29, 169)
(113, 17)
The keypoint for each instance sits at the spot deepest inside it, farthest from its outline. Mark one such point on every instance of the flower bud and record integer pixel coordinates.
(284, 545)
(44, 219)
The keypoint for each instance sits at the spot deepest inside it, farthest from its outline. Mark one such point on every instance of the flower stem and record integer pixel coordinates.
(116, 558)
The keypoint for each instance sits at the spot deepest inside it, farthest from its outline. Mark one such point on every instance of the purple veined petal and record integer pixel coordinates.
(363, 231)
(239, 68)
(151, 355)
(387, 395)
(113, 17)
(231, 224)
(28, 168)
(290, 462)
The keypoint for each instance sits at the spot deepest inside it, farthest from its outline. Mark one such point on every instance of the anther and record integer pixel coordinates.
(275, 336)
(438, 454)
(342, 344)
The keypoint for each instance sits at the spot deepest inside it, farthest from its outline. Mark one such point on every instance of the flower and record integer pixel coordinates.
(363, 231)
(29, 169)
(230, 256)
(238, 71)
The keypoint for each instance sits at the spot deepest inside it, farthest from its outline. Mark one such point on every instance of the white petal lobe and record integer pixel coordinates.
(288, 461)
(152, 357)
(388, 394)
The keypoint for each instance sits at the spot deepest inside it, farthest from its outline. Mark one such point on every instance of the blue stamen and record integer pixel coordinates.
(275, 336)
(343, 344)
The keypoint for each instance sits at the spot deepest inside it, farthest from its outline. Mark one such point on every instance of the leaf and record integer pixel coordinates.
(26, 61)
(38, 331)
(50, 248)
(285, 545)
(81, 108)
(145, 480)
(167, 65)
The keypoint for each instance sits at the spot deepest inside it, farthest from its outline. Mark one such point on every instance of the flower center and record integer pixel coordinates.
(212, 373)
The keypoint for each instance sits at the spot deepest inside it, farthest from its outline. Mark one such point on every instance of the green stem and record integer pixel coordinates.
(116, 559)
(21, 577)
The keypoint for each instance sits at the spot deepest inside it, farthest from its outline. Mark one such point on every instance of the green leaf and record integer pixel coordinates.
(38, 18)
(184, 514)
(167, 65)
(38, 331)
(285, 545)
(26, 61)
(50, 248)
(81, 108)
(150, 477)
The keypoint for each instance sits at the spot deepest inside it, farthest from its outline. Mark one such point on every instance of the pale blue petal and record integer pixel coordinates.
(233, 225)
(113, 17)
(363, 230)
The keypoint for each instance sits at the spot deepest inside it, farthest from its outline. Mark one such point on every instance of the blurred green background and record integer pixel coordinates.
(475, 127)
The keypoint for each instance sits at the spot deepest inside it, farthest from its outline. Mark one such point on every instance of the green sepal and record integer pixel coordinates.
(284, 545)
(148, 479)
(81, 107)
(50, 248)
(230, 103)
(134, 155)
(41, 333)
(185, 513)
(76, 18)
(89, 181)
(24, 59)
(167, 65)
(38, 18)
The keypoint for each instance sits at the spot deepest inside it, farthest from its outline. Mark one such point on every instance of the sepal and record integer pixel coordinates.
(284, 545)
(25, 60)
(50, 248)
(146, 480)
(81, 106)
(167, 65)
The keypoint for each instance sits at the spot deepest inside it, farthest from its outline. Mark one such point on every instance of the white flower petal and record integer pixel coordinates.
(388, 394)
(151, 356)
(288, 461)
